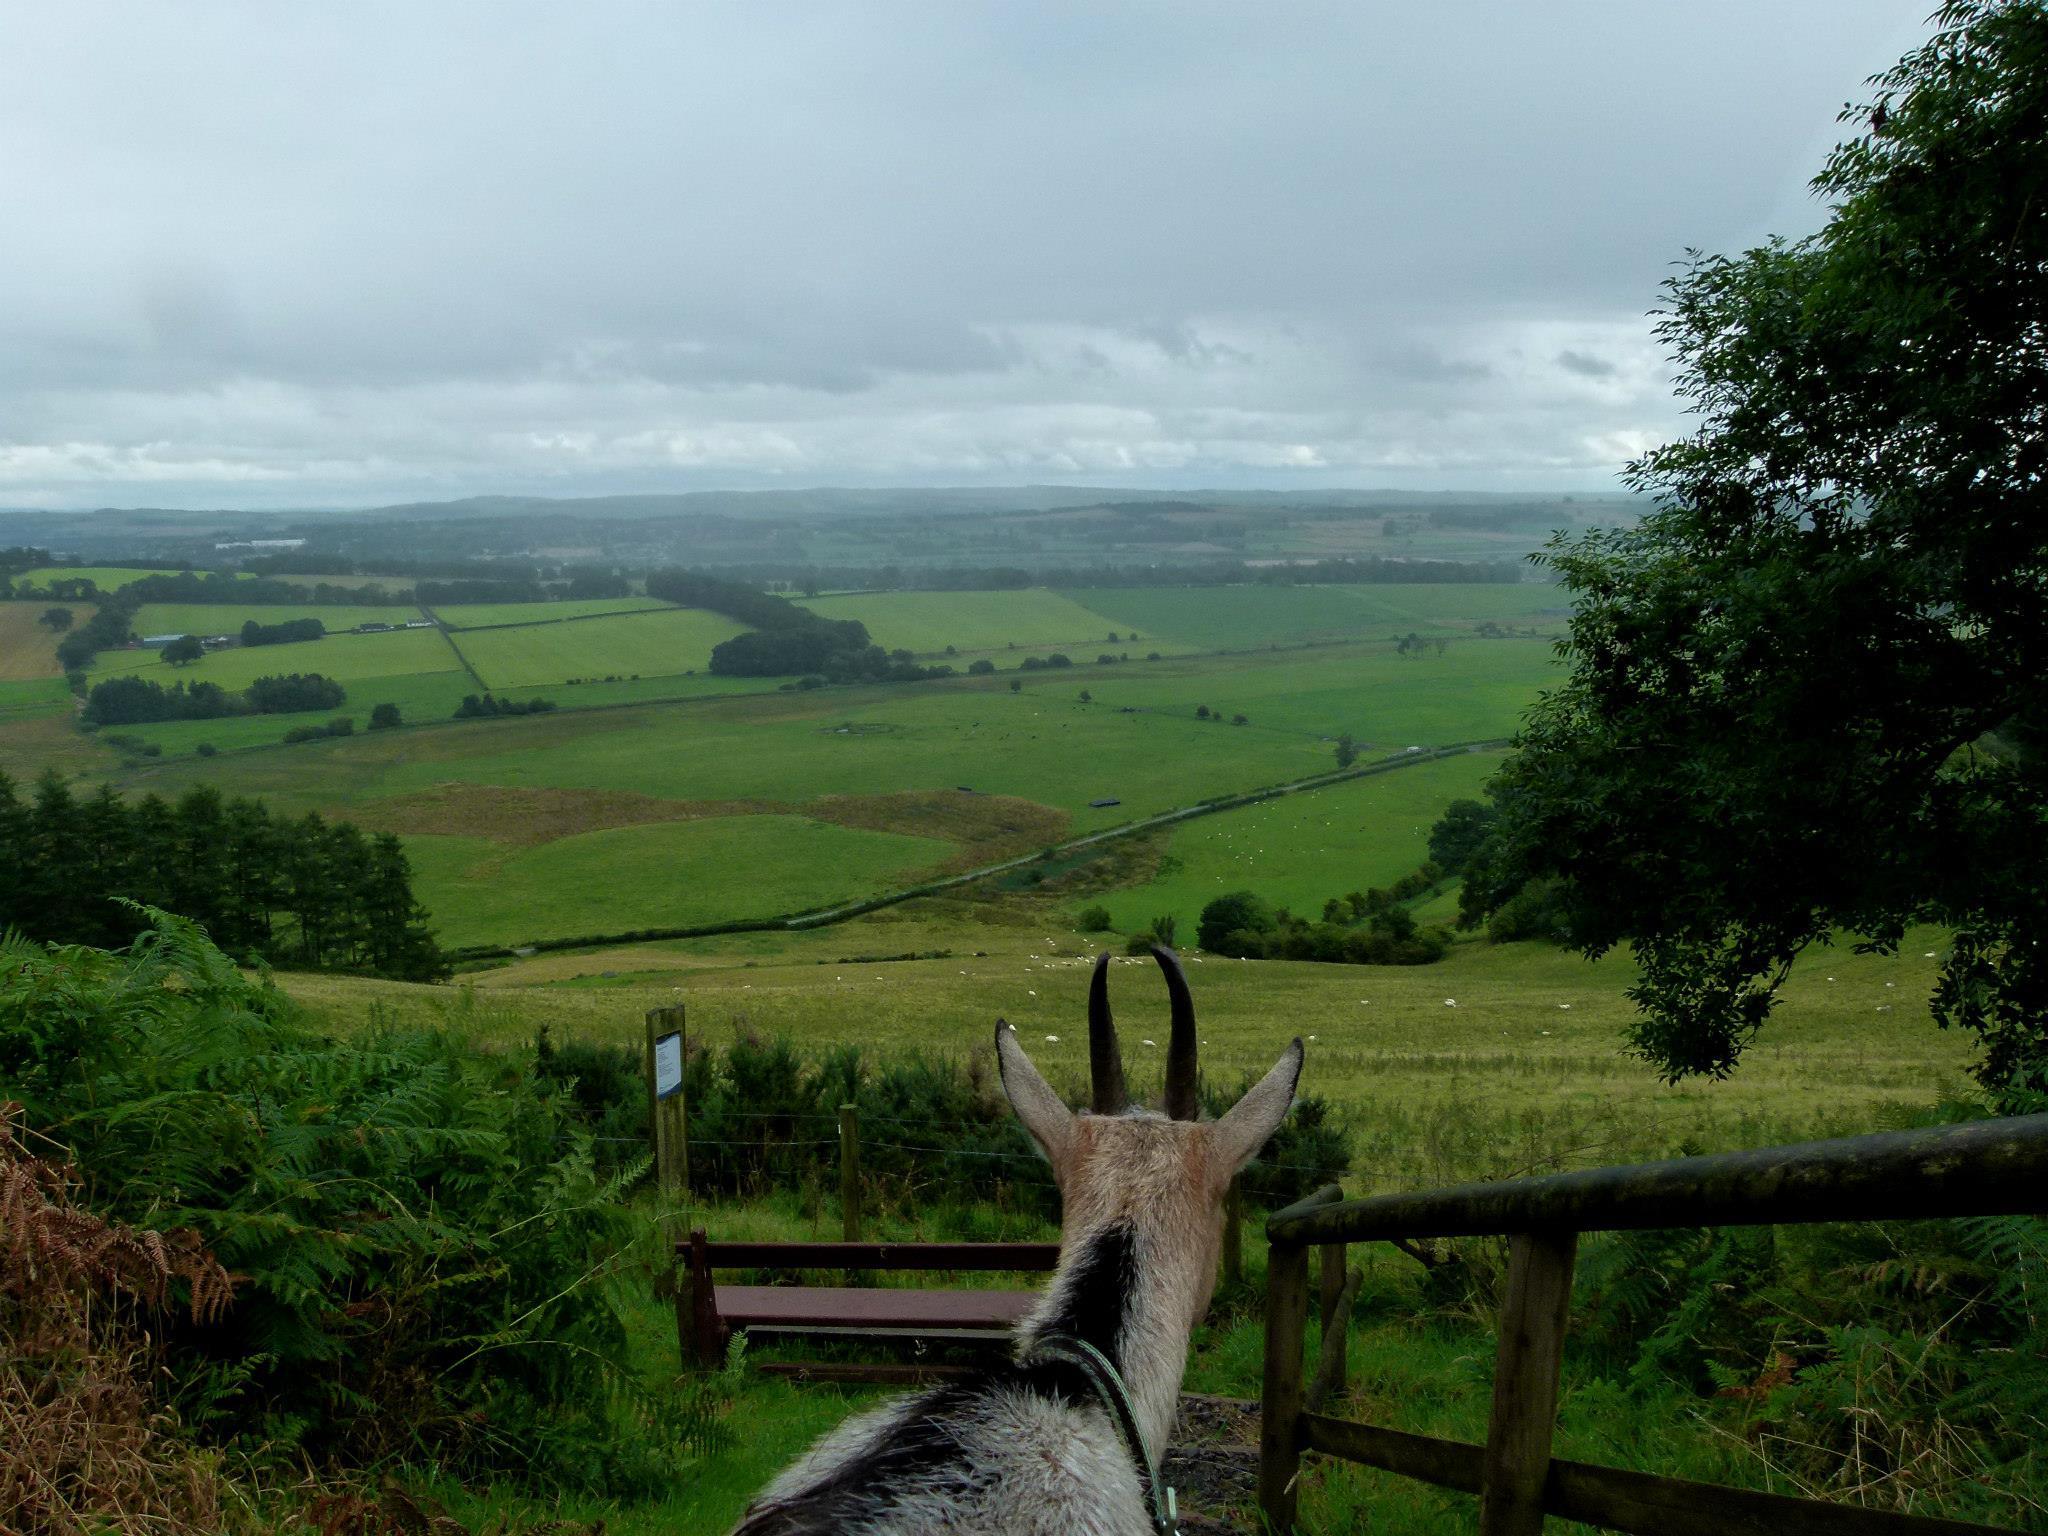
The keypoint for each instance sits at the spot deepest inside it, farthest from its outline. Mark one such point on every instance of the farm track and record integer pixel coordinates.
(797, 922)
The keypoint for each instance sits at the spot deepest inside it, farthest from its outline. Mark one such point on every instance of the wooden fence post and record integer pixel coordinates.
(667, 1125)
(1233, 1236)
(849, 1171)
(1280, 1402)
(1525, 1379)
(1330, 1290)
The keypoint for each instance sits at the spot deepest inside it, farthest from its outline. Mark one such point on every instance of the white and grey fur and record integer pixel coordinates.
(1026, 1449)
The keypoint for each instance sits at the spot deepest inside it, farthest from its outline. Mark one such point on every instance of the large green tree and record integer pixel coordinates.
(1809, 692)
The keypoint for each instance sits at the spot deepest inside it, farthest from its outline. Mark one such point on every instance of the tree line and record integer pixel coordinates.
(1366, 570)
(785, 637)
(287, 633)
(1372, 927)
(139, 701)
(303, 892)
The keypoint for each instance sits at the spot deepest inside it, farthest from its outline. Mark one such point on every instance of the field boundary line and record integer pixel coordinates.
(825, 917)
(569, 618)
(448, 635)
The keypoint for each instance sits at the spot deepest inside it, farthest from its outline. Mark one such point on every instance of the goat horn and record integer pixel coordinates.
(1105, 1061)
(1181, 1100)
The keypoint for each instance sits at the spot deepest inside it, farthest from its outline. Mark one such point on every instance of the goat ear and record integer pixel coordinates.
(1049, 1121)
(1253, 1119)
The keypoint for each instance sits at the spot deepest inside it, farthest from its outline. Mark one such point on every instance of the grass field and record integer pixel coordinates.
(108, 578)
(228, 618)
(1522, 1067)
(32, 698)
(1301, 850)
(1475, 690)
(664, 643)
(1246, 618)
(343, 579)
(28, 649)
(788, 751)
(420, 696)
(718, 869)
(478, 615)
(345, 658)
(1031, 620)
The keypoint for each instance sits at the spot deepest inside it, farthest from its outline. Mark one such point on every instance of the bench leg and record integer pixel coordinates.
(706, 1329)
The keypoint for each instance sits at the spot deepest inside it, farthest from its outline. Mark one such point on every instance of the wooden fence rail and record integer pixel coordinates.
(1986, 1168)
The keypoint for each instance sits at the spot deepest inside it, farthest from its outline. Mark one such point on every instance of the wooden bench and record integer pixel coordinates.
(708, 1313)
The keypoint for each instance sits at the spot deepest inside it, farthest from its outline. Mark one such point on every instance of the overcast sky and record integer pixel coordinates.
(337, 254)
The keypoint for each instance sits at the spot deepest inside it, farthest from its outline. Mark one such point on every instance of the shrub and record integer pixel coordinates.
(287, 633)
(293, 694)
(489, 706)
(980, 667)
(1537, 911)
(763, 1117)
(206, 749)
(341, 726)
(1235, 913)
(1093, 919)
(384, 717)
(418, 1232)
(89, 1442)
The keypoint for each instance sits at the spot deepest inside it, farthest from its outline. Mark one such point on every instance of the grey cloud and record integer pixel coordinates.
(269, 255)
(1586, 365)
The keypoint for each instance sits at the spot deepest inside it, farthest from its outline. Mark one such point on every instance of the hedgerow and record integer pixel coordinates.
(933, 1130)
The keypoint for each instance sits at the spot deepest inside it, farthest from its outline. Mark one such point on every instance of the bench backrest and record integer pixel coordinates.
(704, 1254)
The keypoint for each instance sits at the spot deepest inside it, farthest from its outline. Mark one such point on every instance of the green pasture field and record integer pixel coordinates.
(1300, 850)
(108, 578)
(345, 658)
(339, 579)
(29, 698)
(1247, 618)
(28, 649)
(421, 697)
(595, 693)
(1499, 1058)
(659, 644)
(1475, 690)
(478, 615)
(1033, 620)
(228, 618)
(792, 748)
(1041, 744)
(719, 869)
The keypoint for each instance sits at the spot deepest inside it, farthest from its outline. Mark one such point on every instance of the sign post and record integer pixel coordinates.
(667, 1126)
